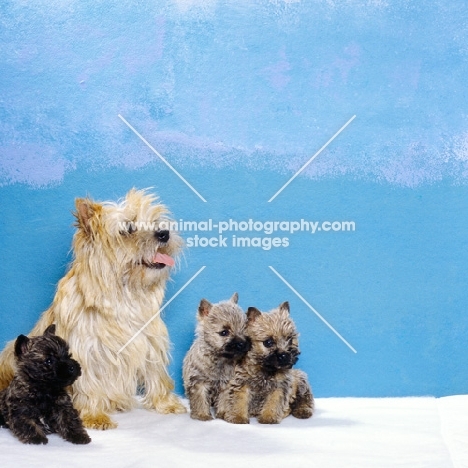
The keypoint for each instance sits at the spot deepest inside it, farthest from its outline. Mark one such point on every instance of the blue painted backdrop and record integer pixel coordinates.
(237, 96)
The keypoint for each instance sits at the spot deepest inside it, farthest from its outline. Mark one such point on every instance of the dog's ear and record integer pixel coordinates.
(204, 308)
(284, 308)
(21, 345)
(252, 314)
(50, 330)
(234, 298)
(85, 210)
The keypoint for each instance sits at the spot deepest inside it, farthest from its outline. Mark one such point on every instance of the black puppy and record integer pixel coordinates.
(36, 402)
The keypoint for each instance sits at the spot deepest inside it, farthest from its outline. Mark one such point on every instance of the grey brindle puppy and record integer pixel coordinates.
(209, 364)
(265, 386)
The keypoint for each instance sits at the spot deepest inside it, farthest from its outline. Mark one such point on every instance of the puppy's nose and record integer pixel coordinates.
(240, 345)
(162, 236)
(74, 368)
(282, 358)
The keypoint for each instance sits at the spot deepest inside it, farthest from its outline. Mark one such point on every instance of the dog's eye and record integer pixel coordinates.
(129, 228)
(49, 361)
(269, 342)
(224, 333)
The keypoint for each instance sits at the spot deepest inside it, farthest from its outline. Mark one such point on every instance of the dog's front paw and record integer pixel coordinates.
(303, 412)
(201, 416)
(99, 421)
(36, 439)
(169, 405)
(80, 438)
(236, 419)
(268, 419)
(220, 414)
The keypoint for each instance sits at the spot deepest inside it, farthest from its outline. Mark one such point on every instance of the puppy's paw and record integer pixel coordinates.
(236, 419)
(201, 416)
(220, 415)
(36, 439)
(99, 421)
(303, 412)
(80, 438)
(268, 419)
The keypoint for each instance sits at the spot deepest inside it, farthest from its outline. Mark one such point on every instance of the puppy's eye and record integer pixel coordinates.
(269, 342)
(224, 333)
(49, 361)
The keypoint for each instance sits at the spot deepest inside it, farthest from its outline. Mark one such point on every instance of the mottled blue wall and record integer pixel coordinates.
(238, 96)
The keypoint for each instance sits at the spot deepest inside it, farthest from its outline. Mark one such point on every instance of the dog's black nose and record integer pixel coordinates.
(283, 358)
(73, 368)
(162, 236)
(237, 347)
(240, 345)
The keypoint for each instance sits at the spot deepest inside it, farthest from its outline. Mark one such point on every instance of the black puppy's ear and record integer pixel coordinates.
(50, 330)
(21, 345)
(252, 314)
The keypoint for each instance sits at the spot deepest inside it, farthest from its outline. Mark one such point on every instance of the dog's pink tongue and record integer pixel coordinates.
(163, 258)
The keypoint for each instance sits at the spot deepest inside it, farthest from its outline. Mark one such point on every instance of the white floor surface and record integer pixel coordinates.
(344, 432)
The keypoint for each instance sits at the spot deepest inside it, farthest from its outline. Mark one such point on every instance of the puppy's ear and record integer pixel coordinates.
(50, 330)
(252, 314)
(284, 307)
(85, 210)
(21, 345)
(204, 308)
(235, 298)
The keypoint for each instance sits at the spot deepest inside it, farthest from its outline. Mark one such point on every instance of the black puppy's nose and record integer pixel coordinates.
(74, 368)
(162, 236)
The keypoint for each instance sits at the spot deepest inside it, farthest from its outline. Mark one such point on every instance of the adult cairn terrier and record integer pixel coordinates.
(209, 364)
(115, 286)
(265, 385)
(36, 402)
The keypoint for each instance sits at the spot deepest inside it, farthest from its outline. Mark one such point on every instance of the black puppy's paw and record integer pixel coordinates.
(80, 438)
